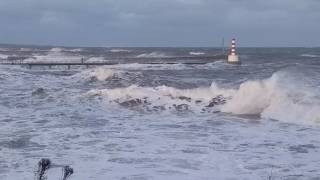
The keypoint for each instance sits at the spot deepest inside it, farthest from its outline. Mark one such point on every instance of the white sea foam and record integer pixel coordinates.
(119, 50)
(56, 49)
(96, 59)
(152, 55)
(54, 55)
(101, 140)
(3, 56)
(26, 49)
(100, 74)
(164, 96)
(310, 55)
(137, 66)
(197, 53)
(274, 98)
(279, 97)
(76, 50)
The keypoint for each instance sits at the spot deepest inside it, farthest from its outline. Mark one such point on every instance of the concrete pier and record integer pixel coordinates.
(189, 60)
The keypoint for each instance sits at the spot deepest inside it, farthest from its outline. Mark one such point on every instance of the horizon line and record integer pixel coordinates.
(70, 46)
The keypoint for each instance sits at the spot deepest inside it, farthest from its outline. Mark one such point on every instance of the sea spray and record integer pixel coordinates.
(100, 74)
(280, 97)
(274, 98)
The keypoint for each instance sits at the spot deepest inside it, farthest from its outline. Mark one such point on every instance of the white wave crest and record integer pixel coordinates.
(76, 50)
(96, 59)
(310, 55)
(165, 97)
(100, 74)
(3, 56)
(280, 97)
(197, 53)
(54, 55)
(137, 66)
(25, 49)
(119, 50)
(56, 49)
(152, 55)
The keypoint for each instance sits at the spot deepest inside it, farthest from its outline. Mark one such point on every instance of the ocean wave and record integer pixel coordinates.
(119, 50)
(56, 49)
(138, 66)
(75, 50)
(3, 56)
(106, 74)
(152, 55)
(53, 58)
(164, 98)
(310, 55)
(97, 74)
(55, 55)
(274, 98)
(4, 49)
(96, 59)
(280, 97)
(59, 50)
(26, 49)
(197, 53)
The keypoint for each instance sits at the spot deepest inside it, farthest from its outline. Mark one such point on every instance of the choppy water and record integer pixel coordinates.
(133, 121)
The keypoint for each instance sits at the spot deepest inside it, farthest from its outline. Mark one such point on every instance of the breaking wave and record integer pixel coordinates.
(197, 53)
(310, 55)
(55, 50)
(163, 97)
(277, 97)
(97, 74)
(137, 66)
(26, 49)
(58, 49)
(76, 50)
(119, 50)
(152, 55)
(107, 74)
(96, 59)
(3, 56)
(54, 55)
(280, 97)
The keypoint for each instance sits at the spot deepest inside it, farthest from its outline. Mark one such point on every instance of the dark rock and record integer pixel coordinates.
(131, 103)
(184, 98)
(39, 91)
(217, 101)
(181, 107)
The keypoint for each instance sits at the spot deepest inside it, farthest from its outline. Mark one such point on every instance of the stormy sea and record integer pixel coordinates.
(135, 120)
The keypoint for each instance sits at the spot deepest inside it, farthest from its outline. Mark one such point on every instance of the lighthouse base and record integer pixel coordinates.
(233, 59)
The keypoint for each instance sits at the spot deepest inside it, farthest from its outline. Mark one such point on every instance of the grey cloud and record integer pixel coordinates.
(160, 22)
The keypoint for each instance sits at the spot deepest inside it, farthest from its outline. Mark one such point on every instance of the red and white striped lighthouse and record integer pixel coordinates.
(233, 58)
(233, 47)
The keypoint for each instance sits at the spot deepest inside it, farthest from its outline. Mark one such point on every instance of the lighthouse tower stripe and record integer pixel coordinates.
(233, 47)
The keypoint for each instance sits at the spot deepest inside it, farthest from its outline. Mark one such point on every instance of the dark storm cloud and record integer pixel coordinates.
(160, 22)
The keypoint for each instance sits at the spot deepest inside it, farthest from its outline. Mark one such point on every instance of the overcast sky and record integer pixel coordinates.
(160, 22)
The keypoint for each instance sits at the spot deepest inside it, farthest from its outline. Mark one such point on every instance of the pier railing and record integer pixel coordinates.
(85, 62)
